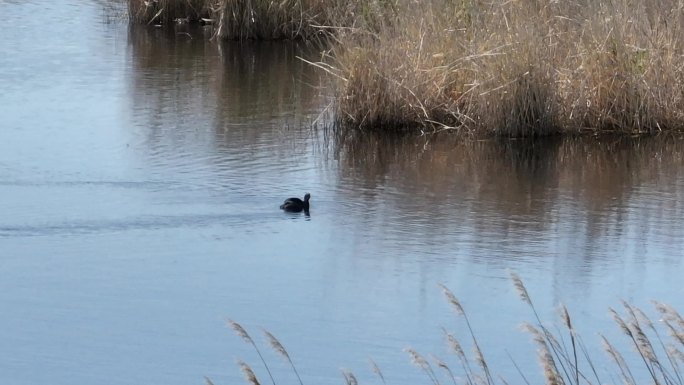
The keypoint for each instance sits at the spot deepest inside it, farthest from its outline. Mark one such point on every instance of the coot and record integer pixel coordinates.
(295, 205)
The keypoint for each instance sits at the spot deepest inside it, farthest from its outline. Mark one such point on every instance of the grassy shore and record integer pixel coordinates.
(168, 12)
(509, 68)
(516, 68)
(309, 20)
(655, 357)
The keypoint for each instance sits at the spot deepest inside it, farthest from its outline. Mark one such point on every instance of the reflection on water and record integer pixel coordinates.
(141, 172)
(592, 193)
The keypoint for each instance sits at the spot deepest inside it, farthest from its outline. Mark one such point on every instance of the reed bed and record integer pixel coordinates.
(168, 12)
(309, 20)
(520, 68)
(655, 357)
(272, 20)
(515, 68)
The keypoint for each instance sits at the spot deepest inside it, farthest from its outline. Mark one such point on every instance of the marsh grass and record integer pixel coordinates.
(515, 68)
(272, 20)
(168, 12)
(308, 20)
(655, 357)
(521, 68)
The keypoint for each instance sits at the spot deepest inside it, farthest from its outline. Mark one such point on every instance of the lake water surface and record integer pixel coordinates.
(141, 172)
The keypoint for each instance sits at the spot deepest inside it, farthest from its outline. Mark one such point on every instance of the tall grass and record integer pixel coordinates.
(169, 11)
(269, 20)
(516, 68)
(513, 68)
(310, 20)
(656, 355)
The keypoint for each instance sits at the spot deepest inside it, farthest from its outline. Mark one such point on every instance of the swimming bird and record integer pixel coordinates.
(295, 205)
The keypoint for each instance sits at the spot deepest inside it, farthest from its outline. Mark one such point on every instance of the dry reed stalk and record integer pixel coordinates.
(280, 349)
(626, 373)
(423, 364)
(677, 354)
(248, 373)
(167, 12)
(669, 313)
(452, 300)
(633, 330)
(310, 20)
(455, 346)
(376, 370)
(242, 333)
(349, 378)
(522, 375)
(546, 360)
(563, 364)
(568, 325)
(520, 287)
(442, 364)
(479, 355)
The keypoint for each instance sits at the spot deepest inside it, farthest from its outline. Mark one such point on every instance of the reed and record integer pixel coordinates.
(655, 358)
(309, 20)
(515, 68)
(271, 20)
(519, 68)
(167, 12)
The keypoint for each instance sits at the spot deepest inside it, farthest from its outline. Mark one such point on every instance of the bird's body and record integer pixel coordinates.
(295, 205)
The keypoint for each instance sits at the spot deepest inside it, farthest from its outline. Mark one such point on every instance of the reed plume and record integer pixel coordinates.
(242, 333)
(280, 349)
(422, 363)
(349, 378)
(248, 373)
(376, 370)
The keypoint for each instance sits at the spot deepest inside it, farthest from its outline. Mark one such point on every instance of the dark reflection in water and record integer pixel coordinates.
(240, 108)
(593, 195)
(141, 172)
(181, 77)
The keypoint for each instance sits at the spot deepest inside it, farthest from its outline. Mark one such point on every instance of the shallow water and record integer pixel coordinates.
(141, 172)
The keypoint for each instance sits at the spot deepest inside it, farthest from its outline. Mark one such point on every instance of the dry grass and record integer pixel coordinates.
(516, 68)
(563, 357)
(510, 68)
(167, 12)
(310, 20)
(271, 20)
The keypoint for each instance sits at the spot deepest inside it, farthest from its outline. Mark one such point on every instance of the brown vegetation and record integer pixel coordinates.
(169, 11)
(516, 68)
(510, 68)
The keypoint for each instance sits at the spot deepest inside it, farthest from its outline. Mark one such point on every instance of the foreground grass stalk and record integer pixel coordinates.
(240, 331)
(280, 349)
(479, 356)
(562, 363)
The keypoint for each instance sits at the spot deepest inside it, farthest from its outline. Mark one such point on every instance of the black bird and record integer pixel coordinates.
(295, 205)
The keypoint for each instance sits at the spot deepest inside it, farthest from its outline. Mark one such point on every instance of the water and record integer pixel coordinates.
(140, 176)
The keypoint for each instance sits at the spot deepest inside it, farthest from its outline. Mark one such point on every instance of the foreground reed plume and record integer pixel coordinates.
(280, 349)
(242, 333)
(655, 358)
